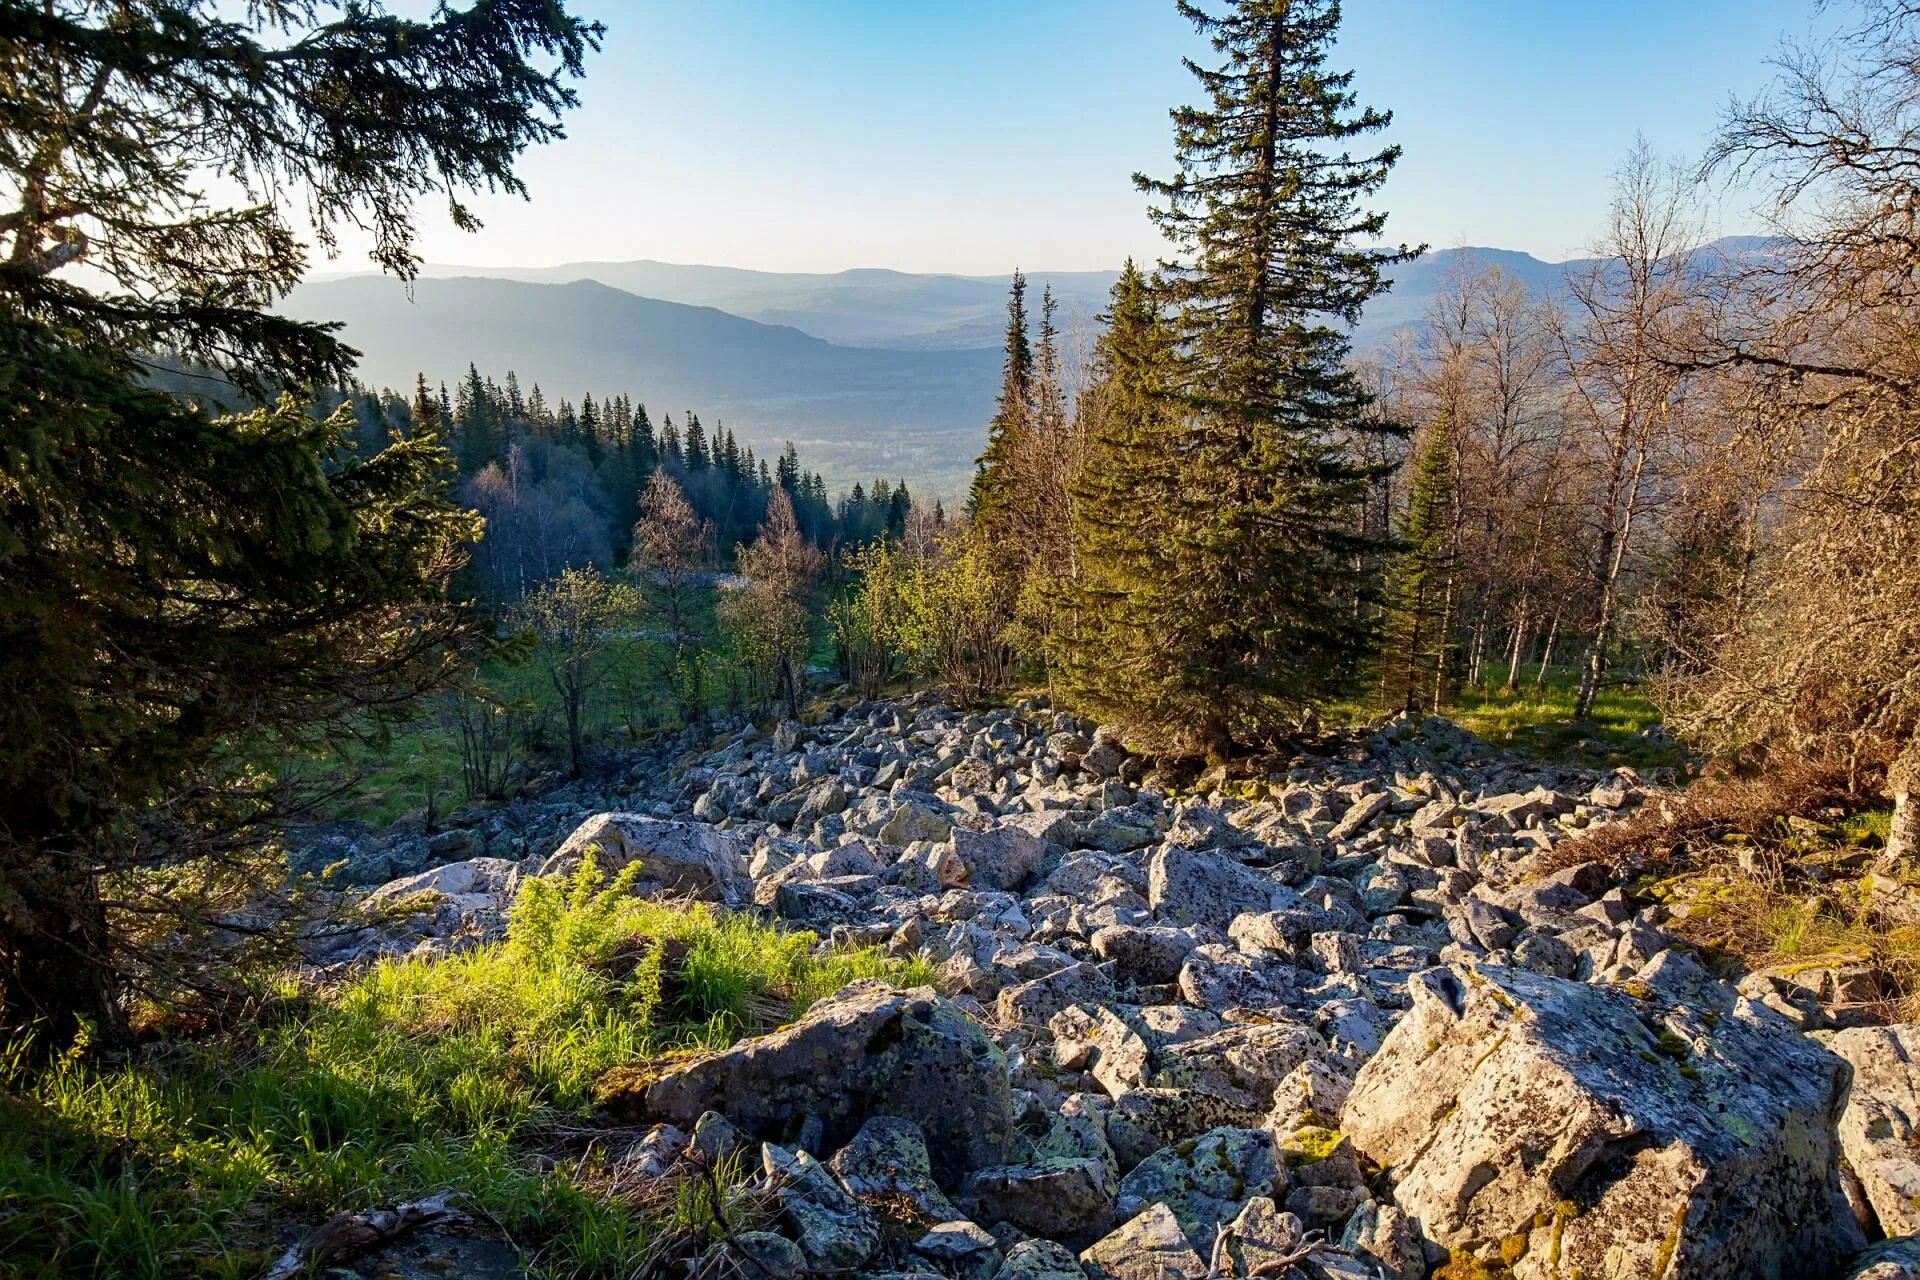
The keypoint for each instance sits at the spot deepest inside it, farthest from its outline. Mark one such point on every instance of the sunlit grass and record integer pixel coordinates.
(419, 1075)
(1539, 724)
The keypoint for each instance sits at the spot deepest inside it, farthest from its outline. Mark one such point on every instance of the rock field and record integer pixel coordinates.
(1340, 1023)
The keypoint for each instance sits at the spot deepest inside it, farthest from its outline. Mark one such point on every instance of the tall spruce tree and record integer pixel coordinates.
(1265, 213)
(1116, 612)
(991, 497)
(1415, 650)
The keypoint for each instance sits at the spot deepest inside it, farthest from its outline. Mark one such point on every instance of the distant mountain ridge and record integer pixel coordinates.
(856, 412)
(872, 371)
(862, 307)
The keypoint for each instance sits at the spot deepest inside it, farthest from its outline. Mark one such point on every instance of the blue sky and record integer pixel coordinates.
(974, 135)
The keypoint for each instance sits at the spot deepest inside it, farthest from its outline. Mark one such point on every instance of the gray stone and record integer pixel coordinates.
(888, 1157)
(1880, 1128)
(1143, 954)
(1205, 1181)
(1061, 1198)
(1189, 887)
(1691, 1146)
(866, 1051)
(1889, 1260)
(1004, 858)
(1151, 1246)
(833, 1230)
(689, 859)
(1039, 1260)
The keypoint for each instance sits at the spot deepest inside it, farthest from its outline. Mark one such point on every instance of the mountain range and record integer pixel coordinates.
(870, 372)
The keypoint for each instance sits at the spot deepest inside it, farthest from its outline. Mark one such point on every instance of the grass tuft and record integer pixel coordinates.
(419, 1075)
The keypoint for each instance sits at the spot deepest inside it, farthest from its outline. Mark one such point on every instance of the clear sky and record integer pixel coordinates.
(976, 135)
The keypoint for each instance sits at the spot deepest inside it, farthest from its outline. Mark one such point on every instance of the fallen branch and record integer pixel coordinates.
(345, 1234)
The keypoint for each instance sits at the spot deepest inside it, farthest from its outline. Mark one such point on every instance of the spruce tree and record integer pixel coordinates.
(1265, 214)
(189, 594)
(1122, 608)
(990, 498)
(1416, 647)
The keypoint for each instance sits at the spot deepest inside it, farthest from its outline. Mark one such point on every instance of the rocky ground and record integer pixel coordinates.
(1341, 1020)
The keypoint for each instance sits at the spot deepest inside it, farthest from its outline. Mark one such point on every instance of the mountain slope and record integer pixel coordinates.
(869, 307)
(853, 410)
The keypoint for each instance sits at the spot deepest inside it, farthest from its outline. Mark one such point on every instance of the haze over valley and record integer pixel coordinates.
(870, 372)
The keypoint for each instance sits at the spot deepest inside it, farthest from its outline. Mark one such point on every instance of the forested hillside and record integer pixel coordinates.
(855, 411)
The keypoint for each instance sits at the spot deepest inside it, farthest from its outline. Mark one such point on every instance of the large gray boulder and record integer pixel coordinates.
(867, 1050)
(1188, 886)
(1007, 857)
(689, 859)
(1606, 1133)
(1880, 1128)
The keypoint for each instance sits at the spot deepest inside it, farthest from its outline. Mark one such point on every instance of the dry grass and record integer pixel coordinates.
(1679, 829)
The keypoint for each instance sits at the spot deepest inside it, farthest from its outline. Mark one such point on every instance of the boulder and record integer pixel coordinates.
(1039, 1260)
(1068, 1198)
(867, 1050)
(689, 859)
(888, 1157)
(1186, 886)
(1557, 1125)
(1889, 1260)
(918, 817)
(1144, 954)
(1880, 1128)
(1006, 857)
(834, 1231)
(1151, 1246)
(478, 884)
(1206, 1181)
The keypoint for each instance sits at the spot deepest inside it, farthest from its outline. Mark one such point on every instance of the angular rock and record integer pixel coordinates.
(1880, 1128)
(1039, 1260)
(1004, 858)
(1062, 1198)
(888, 1157)
(867, 1050)
(1206, 1181)
(1617, 1137)
(1889, 1260)
(1149, 1247)
(688, 859)
(833, 1230)
(1189, 887)
(1144, 954)
(1261, 1236)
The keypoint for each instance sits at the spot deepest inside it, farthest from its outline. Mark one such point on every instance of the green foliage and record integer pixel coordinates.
(1539, 723)
(577, 622)
(1251, 568)
(179, 583)
(417, 1076)
(1118, 611)
(1417, 644)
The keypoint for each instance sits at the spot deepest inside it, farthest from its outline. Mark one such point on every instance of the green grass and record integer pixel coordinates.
(1539, 724)
(418, 1076)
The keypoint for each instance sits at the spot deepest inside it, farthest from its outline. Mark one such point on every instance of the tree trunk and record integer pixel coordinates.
(789, 686)
(1546, 653)
(56, 970)
(1216, 737)
(1903, 784)
(1519, 647)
